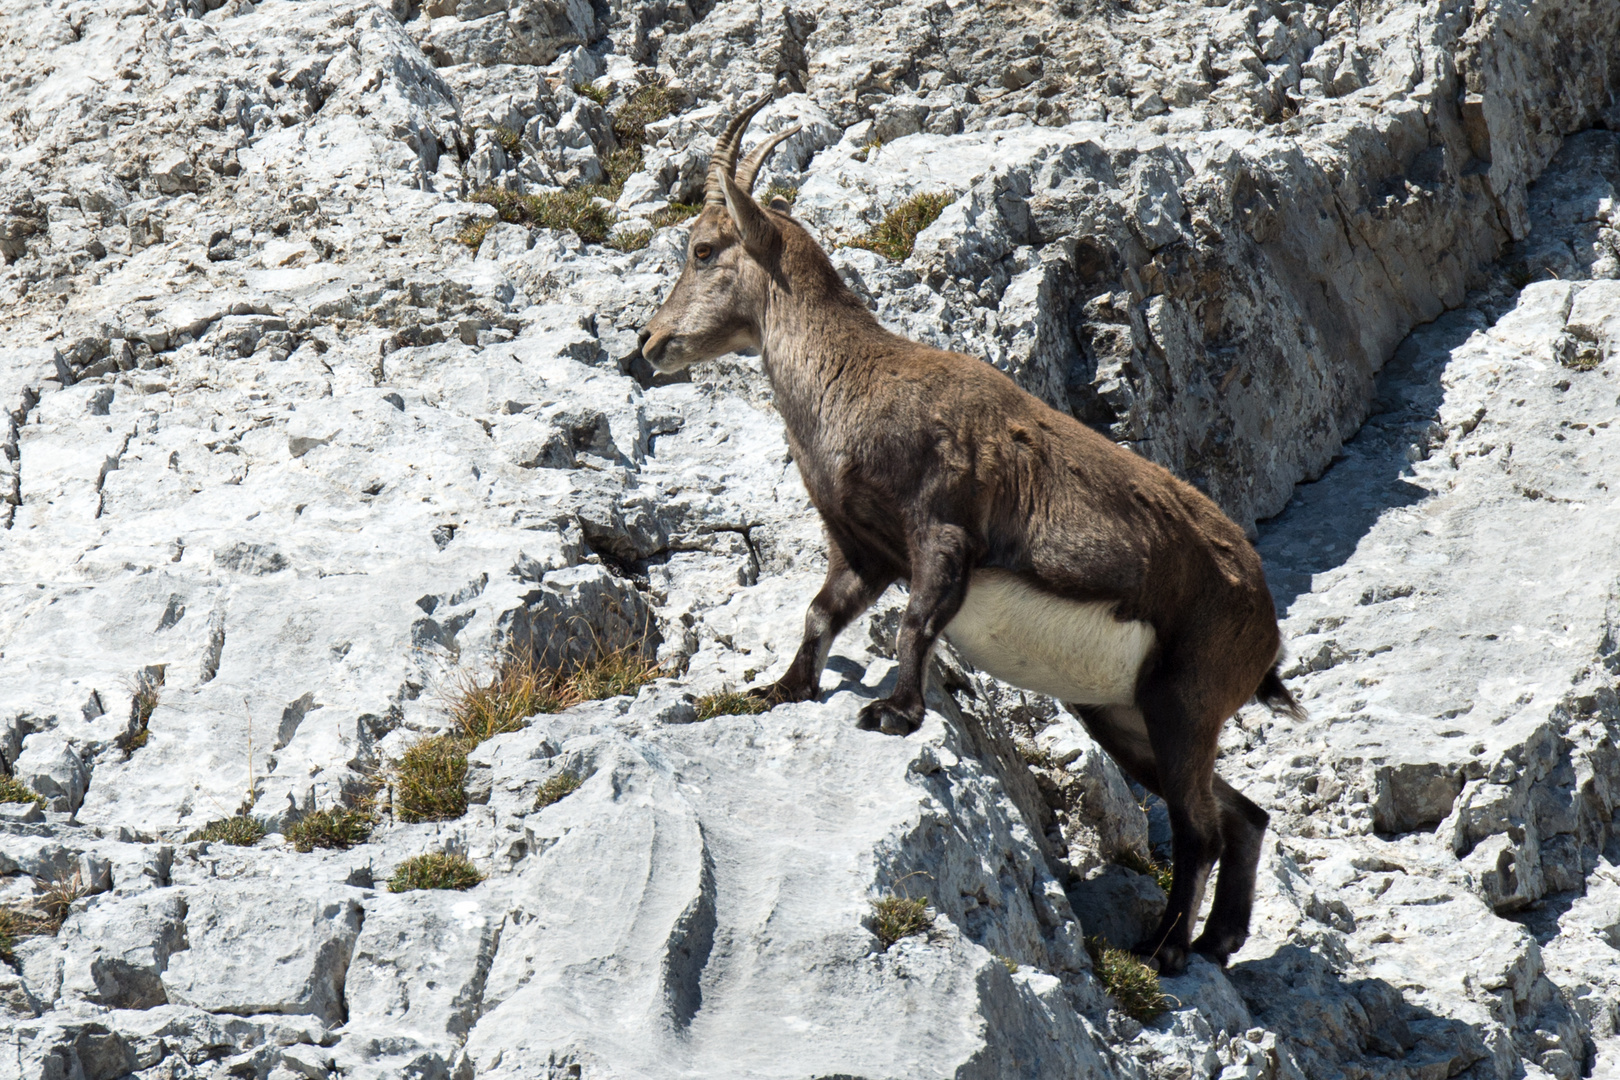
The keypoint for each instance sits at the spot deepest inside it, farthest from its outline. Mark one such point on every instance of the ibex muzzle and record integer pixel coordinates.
(1050, 557)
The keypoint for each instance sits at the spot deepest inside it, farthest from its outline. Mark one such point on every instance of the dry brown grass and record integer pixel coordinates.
(57, 895)
(430, 777)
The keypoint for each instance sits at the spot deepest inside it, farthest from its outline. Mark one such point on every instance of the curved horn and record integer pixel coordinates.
(723, 162)
(750, 165)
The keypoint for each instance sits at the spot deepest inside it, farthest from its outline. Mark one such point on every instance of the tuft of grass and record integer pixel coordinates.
(577, 208)
(1143, 864)
(473, 235)
(895, 917)
(730, 703)
(647, 104)
(430, 779)
(1129, 981)
(789, 195)
(598, 94)
(16, 924)
(57, 896)
(519, 688)
(13, 790)
(623, 671)
(435, 870)
(556, 789)
(509, 141)
(1009, 963)
(339, 828)
(896, 234)
(240, 831)
(619, 165)
(675, 213)
(629, 239)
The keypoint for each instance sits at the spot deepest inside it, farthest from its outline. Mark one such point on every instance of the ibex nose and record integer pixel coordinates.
(652, 352)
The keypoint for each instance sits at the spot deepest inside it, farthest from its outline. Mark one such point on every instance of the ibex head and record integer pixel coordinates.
(732, 254)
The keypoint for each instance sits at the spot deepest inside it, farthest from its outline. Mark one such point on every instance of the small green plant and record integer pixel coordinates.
(13, 790)
(1128, 981)
(729, 703)
(896, 234)
(598, 94)
(647, 104)
(435, 870)
(1009, 963)
(240, 831)
(1131, 859)
(619, 165)
(866, 151)
(145, 692)
(338, 828)
(674, 214)
(629, 239)
(789, 195)
(574, 208)
(430, 778)
(509, 141)
(895, 917)
(473, 235)
(556, 789)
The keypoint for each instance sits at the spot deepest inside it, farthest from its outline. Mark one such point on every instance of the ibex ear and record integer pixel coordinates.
(757, 231)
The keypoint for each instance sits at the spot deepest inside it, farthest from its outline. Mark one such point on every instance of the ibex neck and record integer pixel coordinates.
(818, 345)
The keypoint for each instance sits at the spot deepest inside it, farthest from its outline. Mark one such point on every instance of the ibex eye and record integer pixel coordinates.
(702, 251)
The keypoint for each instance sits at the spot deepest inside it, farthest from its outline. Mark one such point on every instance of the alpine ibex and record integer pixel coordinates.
(1050, 557)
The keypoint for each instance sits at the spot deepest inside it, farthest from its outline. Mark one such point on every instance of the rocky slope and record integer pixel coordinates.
(284, 463)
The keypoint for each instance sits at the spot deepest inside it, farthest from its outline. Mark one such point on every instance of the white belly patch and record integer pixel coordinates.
(1073, 651)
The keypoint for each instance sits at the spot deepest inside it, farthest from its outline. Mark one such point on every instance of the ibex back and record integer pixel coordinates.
(1050, 557)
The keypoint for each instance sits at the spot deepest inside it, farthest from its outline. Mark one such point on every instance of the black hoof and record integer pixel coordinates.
(884, 717)
(1216, 947)
(1167, 960)
(778, 694)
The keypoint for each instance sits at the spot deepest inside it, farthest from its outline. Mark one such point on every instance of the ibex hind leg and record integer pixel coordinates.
(1183, 737)
(1243, 829)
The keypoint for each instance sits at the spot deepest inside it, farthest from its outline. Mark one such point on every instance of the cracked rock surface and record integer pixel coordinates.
(284, 462)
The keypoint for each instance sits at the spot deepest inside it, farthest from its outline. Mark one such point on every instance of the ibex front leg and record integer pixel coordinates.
(940, 562)
(845, 594)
